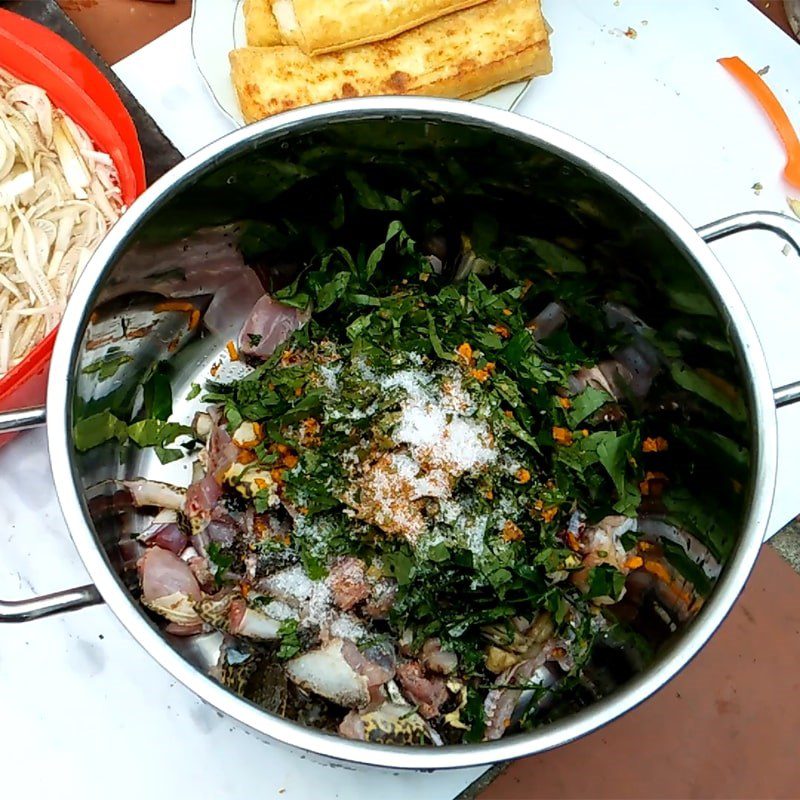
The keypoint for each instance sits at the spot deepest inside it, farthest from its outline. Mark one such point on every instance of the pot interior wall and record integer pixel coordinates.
(189, 249)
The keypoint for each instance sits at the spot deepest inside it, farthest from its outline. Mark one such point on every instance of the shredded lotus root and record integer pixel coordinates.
(58, 197)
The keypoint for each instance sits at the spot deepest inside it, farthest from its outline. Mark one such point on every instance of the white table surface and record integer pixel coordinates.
(86, 713)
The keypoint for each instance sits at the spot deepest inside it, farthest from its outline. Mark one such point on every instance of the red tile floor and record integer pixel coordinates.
(726, 727)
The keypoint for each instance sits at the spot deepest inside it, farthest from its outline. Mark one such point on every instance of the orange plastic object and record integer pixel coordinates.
(763, 95)
(35, 54)
(88, 78)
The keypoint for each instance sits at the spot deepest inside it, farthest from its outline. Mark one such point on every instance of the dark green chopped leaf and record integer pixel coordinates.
(614, 452)
(262, 500)
(292, 296)
(515, 429)
(473, 715)
(193, 392)
(583, 451)
(509, 390)
(629, 500)
(716, 525)
(146, 433)
(314, 567)
(519, 354)
(439, 552)
(289, 640)
(400, 565)
(436, 342)
(605, 581)
(107, 367)
(357, 327)
(498, 578)
(158, 395)
(703, 386)
(556, 604)
(376, 255)
(299, 300)
(734, 458)
(487, 341)
(361, 299)
(585, 404)
(168, 454)
(554, 257)
(156, 433)
(332, 291)
(552, 559)
(370, 198)
(343, 255)
(310, 492)
(691, 301)
(628, 540)
(220, 561)
(233, 415)
(690, 570)
(97, 429)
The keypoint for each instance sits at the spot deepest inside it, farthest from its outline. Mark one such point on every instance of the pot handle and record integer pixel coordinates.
(47, 604)
(784, 226)
(22, 420)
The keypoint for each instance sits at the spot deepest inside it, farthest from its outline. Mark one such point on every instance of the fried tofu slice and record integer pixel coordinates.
(260, 25)
(463, 55)
(323, 26)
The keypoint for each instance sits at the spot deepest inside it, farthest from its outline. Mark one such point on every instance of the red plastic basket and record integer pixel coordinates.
(77, 87)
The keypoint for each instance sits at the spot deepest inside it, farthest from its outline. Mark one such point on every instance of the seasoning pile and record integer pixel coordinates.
(58, 197)
(309, 51)
(464, 487)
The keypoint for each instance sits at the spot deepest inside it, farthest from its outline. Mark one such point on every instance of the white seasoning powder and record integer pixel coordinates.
(386, 494)
(291, 585)
(422, 483)
(329, 375)
(346, 626)
(413, 381)
(435, 425)
(472, 533)
(320, 603)
(279, 610)
(293, 588)
(438, 440)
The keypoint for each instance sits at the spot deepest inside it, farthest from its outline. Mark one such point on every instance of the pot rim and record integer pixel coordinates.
(671, 660)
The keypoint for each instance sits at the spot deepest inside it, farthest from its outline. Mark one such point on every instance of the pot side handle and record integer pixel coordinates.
(22, 420)
(784, 226)
(47, 604)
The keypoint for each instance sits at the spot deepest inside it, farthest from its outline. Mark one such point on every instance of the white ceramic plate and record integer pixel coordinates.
(218, 28)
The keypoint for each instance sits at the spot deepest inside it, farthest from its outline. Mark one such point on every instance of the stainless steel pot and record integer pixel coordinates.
(114, 305)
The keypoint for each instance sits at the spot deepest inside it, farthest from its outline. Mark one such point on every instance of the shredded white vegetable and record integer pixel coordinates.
(58, 197)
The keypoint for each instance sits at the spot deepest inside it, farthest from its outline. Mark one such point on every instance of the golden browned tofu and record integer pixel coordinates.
(322, 26)
(260, 26)
(464, 55)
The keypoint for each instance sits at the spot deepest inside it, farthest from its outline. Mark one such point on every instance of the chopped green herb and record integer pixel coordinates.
(97, 429)
(107, 367)
(289, 639)
(605, 581)
(220, 561)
